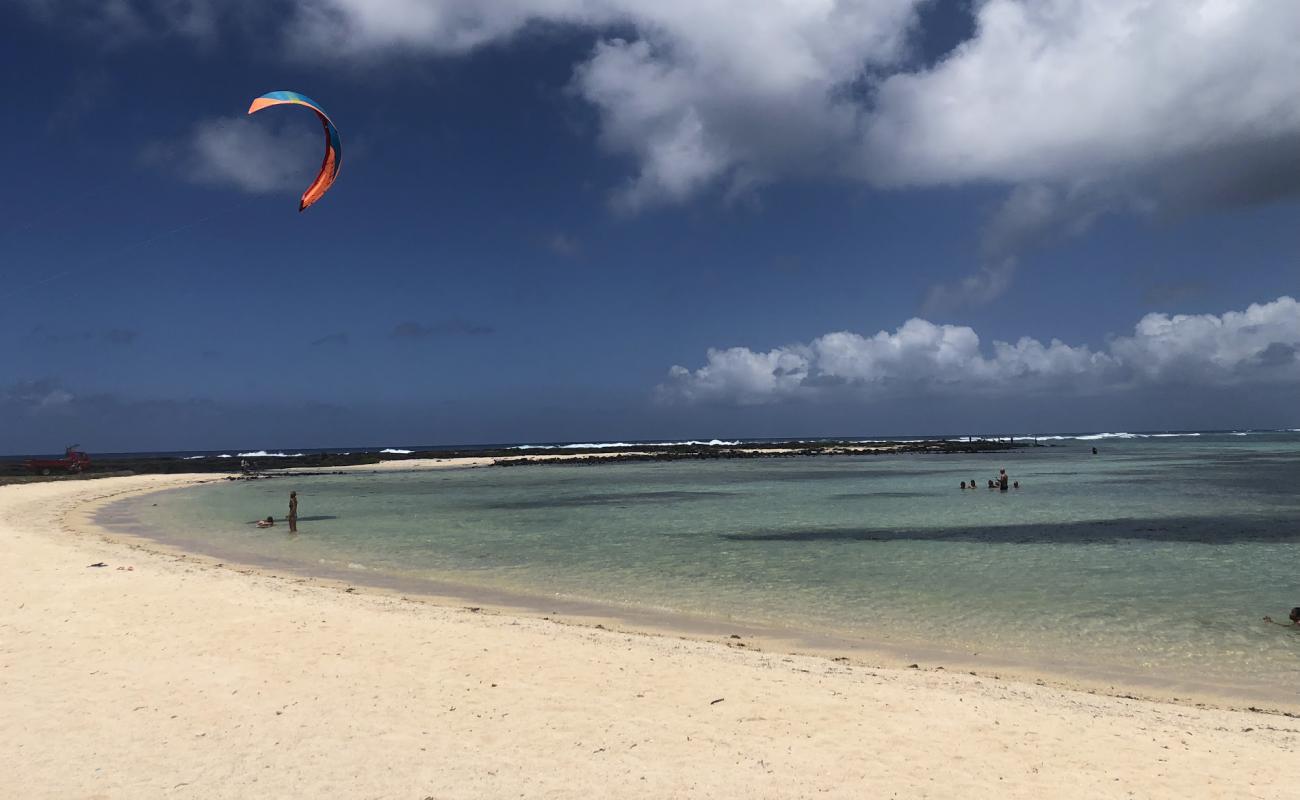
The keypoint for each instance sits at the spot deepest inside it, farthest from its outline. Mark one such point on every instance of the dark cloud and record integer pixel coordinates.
(1235, 175)
(454, 327)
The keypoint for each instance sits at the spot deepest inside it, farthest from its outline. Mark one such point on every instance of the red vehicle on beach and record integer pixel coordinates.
(72, 462)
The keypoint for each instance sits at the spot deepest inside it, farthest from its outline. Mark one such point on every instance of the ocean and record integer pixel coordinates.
(1147, 565)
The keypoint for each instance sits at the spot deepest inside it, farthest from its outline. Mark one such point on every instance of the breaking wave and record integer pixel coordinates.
(1080, 437)
(264, 454)
(606, 445)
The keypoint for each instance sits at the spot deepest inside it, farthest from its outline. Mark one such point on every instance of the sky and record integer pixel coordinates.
(579, 220)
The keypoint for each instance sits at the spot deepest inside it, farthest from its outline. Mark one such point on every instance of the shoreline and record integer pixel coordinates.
(221, 638)
(756, 636)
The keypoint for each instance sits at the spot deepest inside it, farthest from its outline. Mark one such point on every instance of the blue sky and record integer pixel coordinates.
(576, 220)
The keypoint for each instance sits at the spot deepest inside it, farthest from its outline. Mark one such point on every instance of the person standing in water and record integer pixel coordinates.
(1002, 480)
(293, 512)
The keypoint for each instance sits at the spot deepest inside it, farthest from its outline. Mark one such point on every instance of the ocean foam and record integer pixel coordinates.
(264, 454)
(1086, 437)
(396, 451)
(607, 445)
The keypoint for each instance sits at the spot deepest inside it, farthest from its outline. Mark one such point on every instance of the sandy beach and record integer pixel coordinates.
(162, 675)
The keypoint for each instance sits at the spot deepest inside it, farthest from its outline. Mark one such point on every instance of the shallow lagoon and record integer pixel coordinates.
(1151, 562)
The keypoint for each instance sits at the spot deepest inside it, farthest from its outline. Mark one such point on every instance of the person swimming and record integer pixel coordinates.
(963, 486)
(266, 523)
(1295, 619)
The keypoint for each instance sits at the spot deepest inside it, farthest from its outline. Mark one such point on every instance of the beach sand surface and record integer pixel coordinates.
(180, 678)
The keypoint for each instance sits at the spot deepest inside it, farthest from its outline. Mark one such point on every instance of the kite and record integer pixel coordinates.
(329, 168)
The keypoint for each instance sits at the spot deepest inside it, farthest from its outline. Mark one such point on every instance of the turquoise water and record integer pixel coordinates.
(1151, 562)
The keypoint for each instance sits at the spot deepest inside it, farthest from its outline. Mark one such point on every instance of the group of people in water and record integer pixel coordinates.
(269, 522)
(1001, 483)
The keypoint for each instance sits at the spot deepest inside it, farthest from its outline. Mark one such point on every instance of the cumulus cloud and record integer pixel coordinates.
(1078, 107)
(1255, 346)
(1081, 108)
(700, 94)
(1045, 90)
(252, 155)
(1067, 90)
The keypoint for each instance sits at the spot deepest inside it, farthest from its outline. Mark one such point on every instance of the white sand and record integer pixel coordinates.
(180, 679)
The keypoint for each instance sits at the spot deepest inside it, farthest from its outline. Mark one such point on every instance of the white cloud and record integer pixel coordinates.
(1079, 107)
(733, 93)
(920, 358)
(1095, 107)
(703, 92)
(250, 154)
(743, 376)
(1073, 89)
(1260, 343)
